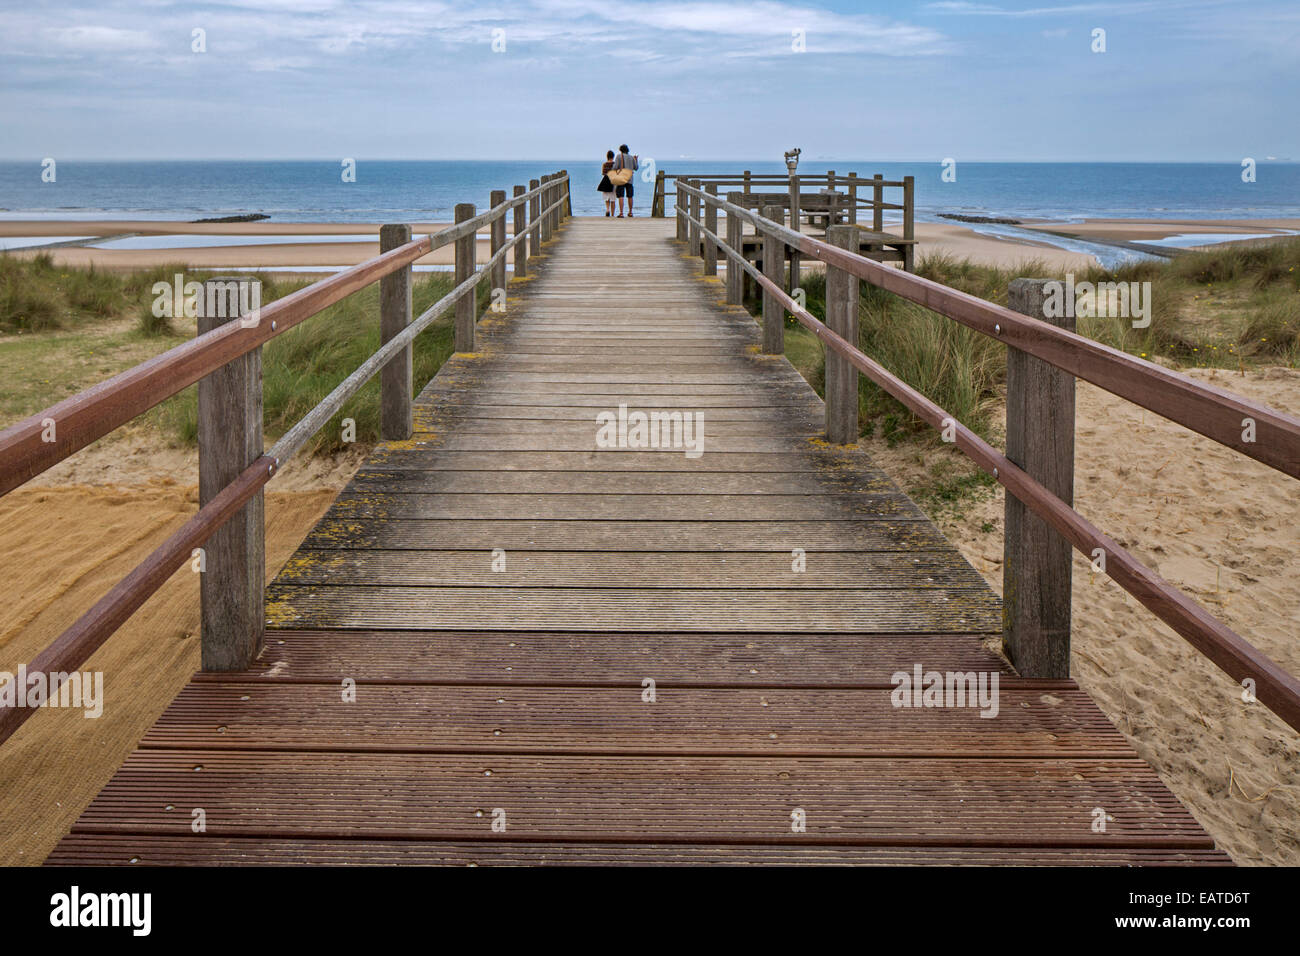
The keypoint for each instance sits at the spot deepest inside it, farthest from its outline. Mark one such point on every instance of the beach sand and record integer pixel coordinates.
(1133, 230)
(1226, 530)
(949, 238)
(64, 548)
(278, 255)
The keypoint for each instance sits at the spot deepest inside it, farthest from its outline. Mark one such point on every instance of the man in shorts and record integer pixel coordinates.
(625, 160)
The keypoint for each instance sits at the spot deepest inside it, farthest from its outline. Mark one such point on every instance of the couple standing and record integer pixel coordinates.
(616, 179)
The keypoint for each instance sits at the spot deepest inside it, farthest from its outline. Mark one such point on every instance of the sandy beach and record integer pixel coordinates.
(1135, 230)
(952, 239)
(1225, 530)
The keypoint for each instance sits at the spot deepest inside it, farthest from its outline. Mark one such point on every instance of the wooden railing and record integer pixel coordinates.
(233, 469)
(803, 195)
(1041, 478)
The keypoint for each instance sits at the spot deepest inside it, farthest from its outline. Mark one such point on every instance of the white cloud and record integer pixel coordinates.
(91, 39)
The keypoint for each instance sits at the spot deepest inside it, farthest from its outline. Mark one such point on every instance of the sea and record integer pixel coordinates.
(427, 191)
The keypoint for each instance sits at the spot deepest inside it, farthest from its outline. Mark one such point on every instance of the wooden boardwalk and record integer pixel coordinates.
(506, 715)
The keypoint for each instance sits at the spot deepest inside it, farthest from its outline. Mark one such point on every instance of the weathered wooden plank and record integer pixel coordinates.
(847, 801)
(619, 482)
(363, 503)
(1041, 720)
(542, 440)
(865, 611)
(422, 456)
(667, 423)
(606, 658)
(472, 414)
(532, 535)
(640, 569)
(79, 849)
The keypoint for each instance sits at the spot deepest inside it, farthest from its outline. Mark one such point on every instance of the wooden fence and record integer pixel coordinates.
(1037, 471)
(224, 358)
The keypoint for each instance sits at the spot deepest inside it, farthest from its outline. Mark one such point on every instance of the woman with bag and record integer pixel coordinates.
(606, 186)
(624, 166)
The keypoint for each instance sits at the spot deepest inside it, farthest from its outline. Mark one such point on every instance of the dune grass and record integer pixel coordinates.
(302, 366)
(1230, 307)
(1225, 307)
(69, 328)
(38, 296)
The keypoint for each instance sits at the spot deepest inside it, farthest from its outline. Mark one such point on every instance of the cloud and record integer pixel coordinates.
(95, 39)
(991, 10)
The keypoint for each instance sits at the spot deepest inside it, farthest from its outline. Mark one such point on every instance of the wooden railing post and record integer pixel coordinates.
(232, 581)
(466, 305)
(680, 207)
(567, 208)
(521, 247)
(497, 234)
(534, 214)
(745, 177)
(1036, 559)
(692, 230)
(711, 223)
(853, 200)
(877, 203)
(394, 316)
(657, 204)
(842, 319)
(909, 227)
(773, 266)
(735, 225)
(794, 224)
(544, 233)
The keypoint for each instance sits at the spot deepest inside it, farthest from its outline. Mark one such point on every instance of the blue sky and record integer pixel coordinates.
(1180, 80)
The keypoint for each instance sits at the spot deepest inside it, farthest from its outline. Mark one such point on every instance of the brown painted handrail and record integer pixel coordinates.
(93, 413)
(75, 645)
(1212, 412)
(1234, 655)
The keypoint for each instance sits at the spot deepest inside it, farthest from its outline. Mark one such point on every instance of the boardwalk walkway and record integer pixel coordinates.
(505, 716)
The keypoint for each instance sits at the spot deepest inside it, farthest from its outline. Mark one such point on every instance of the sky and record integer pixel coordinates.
(1178, 80)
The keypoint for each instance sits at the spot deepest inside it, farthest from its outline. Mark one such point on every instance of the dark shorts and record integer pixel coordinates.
(625, 190)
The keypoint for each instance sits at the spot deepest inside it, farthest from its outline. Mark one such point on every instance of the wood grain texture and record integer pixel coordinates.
(233, 559)
(135, 850)
(842, 317)
(466, 305)
(395, 378)
(1037, 564)
(493, 595)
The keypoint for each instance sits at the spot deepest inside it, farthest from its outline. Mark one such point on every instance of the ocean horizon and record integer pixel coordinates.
(428, 190)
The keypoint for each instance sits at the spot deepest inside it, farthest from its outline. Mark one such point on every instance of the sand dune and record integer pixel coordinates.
(1226, 530)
